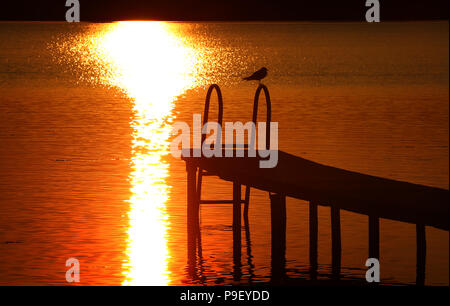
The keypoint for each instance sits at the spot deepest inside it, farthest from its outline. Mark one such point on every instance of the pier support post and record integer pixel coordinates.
(237, 229)
(374, 237)
(336, 242)
(421, 254)
(192, 212)
(246, 202)
(278, 235)
(313, 237)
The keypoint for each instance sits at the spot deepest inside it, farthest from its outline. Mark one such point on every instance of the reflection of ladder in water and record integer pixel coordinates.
(203, 172)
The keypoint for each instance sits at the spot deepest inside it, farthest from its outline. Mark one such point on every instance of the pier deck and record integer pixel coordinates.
(310, 181)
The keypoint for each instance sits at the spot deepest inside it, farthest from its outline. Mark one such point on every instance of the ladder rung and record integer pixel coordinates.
(219, 201)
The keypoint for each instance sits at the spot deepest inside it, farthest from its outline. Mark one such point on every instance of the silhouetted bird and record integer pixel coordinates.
(258, 75)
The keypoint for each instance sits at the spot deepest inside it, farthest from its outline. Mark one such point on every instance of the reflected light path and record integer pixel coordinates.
(148, 62)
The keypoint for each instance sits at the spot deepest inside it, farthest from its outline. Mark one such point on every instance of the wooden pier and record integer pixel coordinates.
(318, 184)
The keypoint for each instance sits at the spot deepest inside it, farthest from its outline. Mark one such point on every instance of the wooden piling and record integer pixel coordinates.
(421, 254)
(313, 237)
(336, 248)
(237, 229)
(192, 212)
(278, 235)
(374, 237)
(246, 201)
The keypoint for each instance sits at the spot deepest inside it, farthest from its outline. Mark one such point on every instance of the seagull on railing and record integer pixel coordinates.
(258, 75)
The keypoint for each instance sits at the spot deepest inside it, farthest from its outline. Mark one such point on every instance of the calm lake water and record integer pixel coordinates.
(85, 120)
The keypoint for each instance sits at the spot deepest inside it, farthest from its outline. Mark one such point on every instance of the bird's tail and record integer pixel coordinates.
(246, 79)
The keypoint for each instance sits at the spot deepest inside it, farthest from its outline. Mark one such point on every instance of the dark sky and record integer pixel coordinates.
(109, 10)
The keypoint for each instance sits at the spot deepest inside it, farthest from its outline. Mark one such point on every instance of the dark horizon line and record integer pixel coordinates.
(105, 20)
(226, 10)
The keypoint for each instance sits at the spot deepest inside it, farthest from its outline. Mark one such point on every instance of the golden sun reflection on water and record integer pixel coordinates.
(152, 66)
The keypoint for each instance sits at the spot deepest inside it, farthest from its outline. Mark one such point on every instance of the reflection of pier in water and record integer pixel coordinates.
(319, 185)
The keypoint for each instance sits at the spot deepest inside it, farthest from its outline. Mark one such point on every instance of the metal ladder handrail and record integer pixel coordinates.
(253, 135)
(201, 173)
(268, 114)
(206, 110)
(205, 120)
